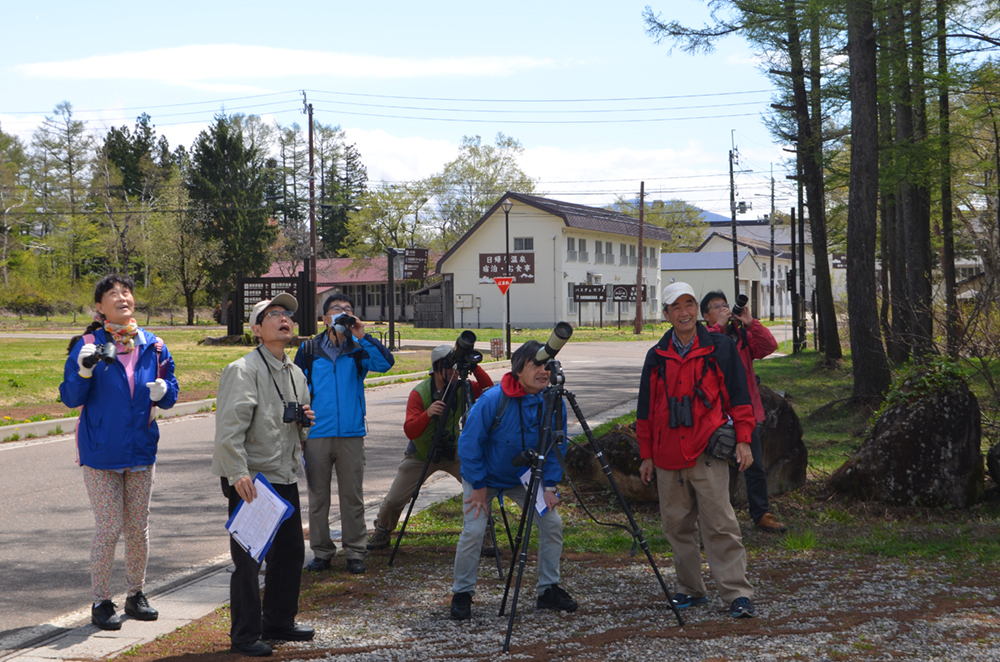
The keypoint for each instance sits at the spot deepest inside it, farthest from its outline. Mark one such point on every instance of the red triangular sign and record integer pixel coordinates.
(503, 282)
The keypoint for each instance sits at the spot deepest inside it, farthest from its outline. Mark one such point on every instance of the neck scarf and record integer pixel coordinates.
(124, 334)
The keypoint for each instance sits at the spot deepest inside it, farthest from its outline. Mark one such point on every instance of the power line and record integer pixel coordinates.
(660, 98)
(504, 121)
(487, 110)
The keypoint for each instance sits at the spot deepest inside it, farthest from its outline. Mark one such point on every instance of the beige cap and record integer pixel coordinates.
(440, 352)
(285, 300)
(675, 291)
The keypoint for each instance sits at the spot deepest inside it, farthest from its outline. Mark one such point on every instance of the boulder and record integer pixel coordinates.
(621, 451)
(785, 454)
(924, 451)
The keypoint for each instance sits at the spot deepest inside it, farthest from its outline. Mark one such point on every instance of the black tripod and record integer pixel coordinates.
(550, 435)
(457, 393)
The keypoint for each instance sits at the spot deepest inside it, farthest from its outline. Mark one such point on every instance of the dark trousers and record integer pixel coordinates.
(281, 579)
(756, 478)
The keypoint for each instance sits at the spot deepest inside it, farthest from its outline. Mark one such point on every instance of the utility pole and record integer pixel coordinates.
(638, 275)
(772, 219)
(310, 297)
(732, 210)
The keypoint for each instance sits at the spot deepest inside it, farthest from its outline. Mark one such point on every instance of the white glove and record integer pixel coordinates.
(87, 350)
(157, 390)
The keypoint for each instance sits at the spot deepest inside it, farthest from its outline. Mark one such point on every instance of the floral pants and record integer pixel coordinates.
(121, 503)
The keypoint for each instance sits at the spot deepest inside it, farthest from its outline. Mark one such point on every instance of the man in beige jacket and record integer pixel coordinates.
(252, 436)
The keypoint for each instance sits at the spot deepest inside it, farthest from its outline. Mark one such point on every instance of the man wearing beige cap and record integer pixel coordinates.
(693, 383)
(423, 413)
(253, 435)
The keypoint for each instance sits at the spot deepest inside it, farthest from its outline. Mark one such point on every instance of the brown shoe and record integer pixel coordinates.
(769, 524)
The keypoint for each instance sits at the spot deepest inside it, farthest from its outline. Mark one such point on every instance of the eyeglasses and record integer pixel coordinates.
(340, 309)
(718, 306)
(280, 313)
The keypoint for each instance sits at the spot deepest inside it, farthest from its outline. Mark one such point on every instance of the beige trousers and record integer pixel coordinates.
(347, 455)
(401, 490)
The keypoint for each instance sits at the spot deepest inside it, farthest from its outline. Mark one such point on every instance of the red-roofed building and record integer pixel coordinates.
(364, 280)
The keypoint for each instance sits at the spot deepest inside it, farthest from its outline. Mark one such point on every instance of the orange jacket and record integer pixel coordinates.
(712, 359)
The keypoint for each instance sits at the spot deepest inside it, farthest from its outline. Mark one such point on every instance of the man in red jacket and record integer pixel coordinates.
(692, 383)
(754, 341)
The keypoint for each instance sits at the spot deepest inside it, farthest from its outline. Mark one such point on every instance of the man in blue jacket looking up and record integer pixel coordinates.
(335, 363)
(504, 422)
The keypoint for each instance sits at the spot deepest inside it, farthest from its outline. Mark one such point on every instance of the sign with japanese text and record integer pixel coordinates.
(258, 289)
(588, 293)
(503, 282)
(626, 293)
(522, 267)
(415, 264)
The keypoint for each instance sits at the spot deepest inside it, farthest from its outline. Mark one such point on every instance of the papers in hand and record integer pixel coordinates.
(540, 497)
(253, 525)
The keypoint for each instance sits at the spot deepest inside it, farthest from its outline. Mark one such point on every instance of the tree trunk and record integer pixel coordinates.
(189, 302)
(918, 234)
(871, 369)
(901, 305)
(891, 260)
(947, 230)
(811, 155)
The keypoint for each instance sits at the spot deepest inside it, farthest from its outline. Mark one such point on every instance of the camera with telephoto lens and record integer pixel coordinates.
(680, 412)
(344, 323)
(294, 413)
(445, 450)
(105, 352)
(465, 353)
(741, 304)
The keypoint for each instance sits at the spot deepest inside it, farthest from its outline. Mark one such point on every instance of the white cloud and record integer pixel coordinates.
(236, 62)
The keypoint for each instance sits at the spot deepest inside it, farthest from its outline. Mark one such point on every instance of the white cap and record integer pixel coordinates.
(675, 291)
(285, 300)
(440, 352)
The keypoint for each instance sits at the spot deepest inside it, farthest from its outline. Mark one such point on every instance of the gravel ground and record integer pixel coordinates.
(810, 606)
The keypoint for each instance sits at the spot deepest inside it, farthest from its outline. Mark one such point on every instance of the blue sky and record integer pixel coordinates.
(407, 80)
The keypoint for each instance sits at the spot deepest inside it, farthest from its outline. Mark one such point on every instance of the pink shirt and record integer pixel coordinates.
(128, 362)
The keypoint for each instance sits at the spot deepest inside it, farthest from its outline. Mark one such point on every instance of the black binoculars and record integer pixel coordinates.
(294, 413)
(680, 412)
(105, 352)
(344, 323)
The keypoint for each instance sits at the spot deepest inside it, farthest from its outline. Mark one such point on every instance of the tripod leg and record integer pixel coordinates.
(506, 524)
(515, 545)
(492, 531)
(527, 517)
(636, 531)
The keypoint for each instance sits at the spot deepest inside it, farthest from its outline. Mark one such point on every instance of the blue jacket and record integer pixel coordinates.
(338, 391)
(486, 455)
(116, 429)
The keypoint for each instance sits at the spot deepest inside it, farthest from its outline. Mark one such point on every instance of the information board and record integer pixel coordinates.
(522, 267)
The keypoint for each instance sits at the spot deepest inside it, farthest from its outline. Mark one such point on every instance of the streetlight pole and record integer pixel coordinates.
(507, 204)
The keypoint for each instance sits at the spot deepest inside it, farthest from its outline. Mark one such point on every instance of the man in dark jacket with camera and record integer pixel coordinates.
(424, 408)
(753, 341)
(335, 364)
(692, 384)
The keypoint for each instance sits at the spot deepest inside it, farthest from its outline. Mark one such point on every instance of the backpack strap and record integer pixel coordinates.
(501, 408)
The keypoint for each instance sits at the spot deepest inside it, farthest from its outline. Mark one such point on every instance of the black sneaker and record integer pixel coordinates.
(683, 601)
(356, 566)
(137, 606)
(557, 598)
(295, 633)
(461, 606)
(742, 608)
(104, 616)
(318, 565)
(253, 649)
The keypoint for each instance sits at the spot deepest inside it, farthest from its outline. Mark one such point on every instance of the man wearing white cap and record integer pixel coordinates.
(693, 383)
(423, 412)
(253, 435)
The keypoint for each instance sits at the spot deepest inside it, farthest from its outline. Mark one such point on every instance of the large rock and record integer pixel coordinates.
(922, 452)
(993, 463)
(621, 451)
(785, 454)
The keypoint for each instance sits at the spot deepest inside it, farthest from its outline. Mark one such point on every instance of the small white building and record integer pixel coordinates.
(761, 252)
(554, 247)
(713, 271)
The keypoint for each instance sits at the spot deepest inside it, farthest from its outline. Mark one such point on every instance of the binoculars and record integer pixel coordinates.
(105, 352)
(680, 412)
(294, 413)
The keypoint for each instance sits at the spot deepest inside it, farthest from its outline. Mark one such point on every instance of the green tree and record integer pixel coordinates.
(685, 221)
(387, 218)
(14, 197)
(344, 186)
(473, 182)
(228, 179)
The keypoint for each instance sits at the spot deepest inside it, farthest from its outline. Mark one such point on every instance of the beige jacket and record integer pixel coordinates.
(250, 436)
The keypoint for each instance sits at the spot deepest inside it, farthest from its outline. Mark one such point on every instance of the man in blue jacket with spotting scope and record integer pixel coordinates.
(335, 363)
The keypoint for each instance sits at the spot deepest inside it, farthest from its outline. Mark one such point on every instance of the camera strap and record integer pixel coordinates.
(273, 381)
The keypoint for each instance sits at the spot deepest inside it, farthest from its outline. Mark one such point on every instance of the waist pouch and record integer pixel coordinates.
(722, 443)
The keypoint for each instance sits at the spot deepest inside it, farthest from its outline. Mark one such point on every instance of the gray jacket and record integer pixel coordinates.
(249, 433)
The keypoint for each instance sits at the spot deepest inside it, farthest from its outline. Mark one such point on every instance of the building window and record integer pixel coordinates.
(570, 249)
(583, 256)
(623, 251)
(608, 248)
(374, 296)
(571, 305)
(632, 259)
(524, 243)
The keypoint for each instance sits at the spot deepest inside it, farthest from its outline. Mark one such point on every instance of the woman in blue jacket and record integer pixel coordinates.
(116, 373)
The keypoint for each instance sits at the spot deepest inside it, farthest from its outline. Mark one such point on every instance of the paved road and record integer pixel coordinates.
(46, 524)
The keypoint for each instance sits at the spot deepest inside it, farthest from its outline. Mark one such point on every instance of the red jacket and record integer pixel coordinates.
(713, 359)
(759, 343)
